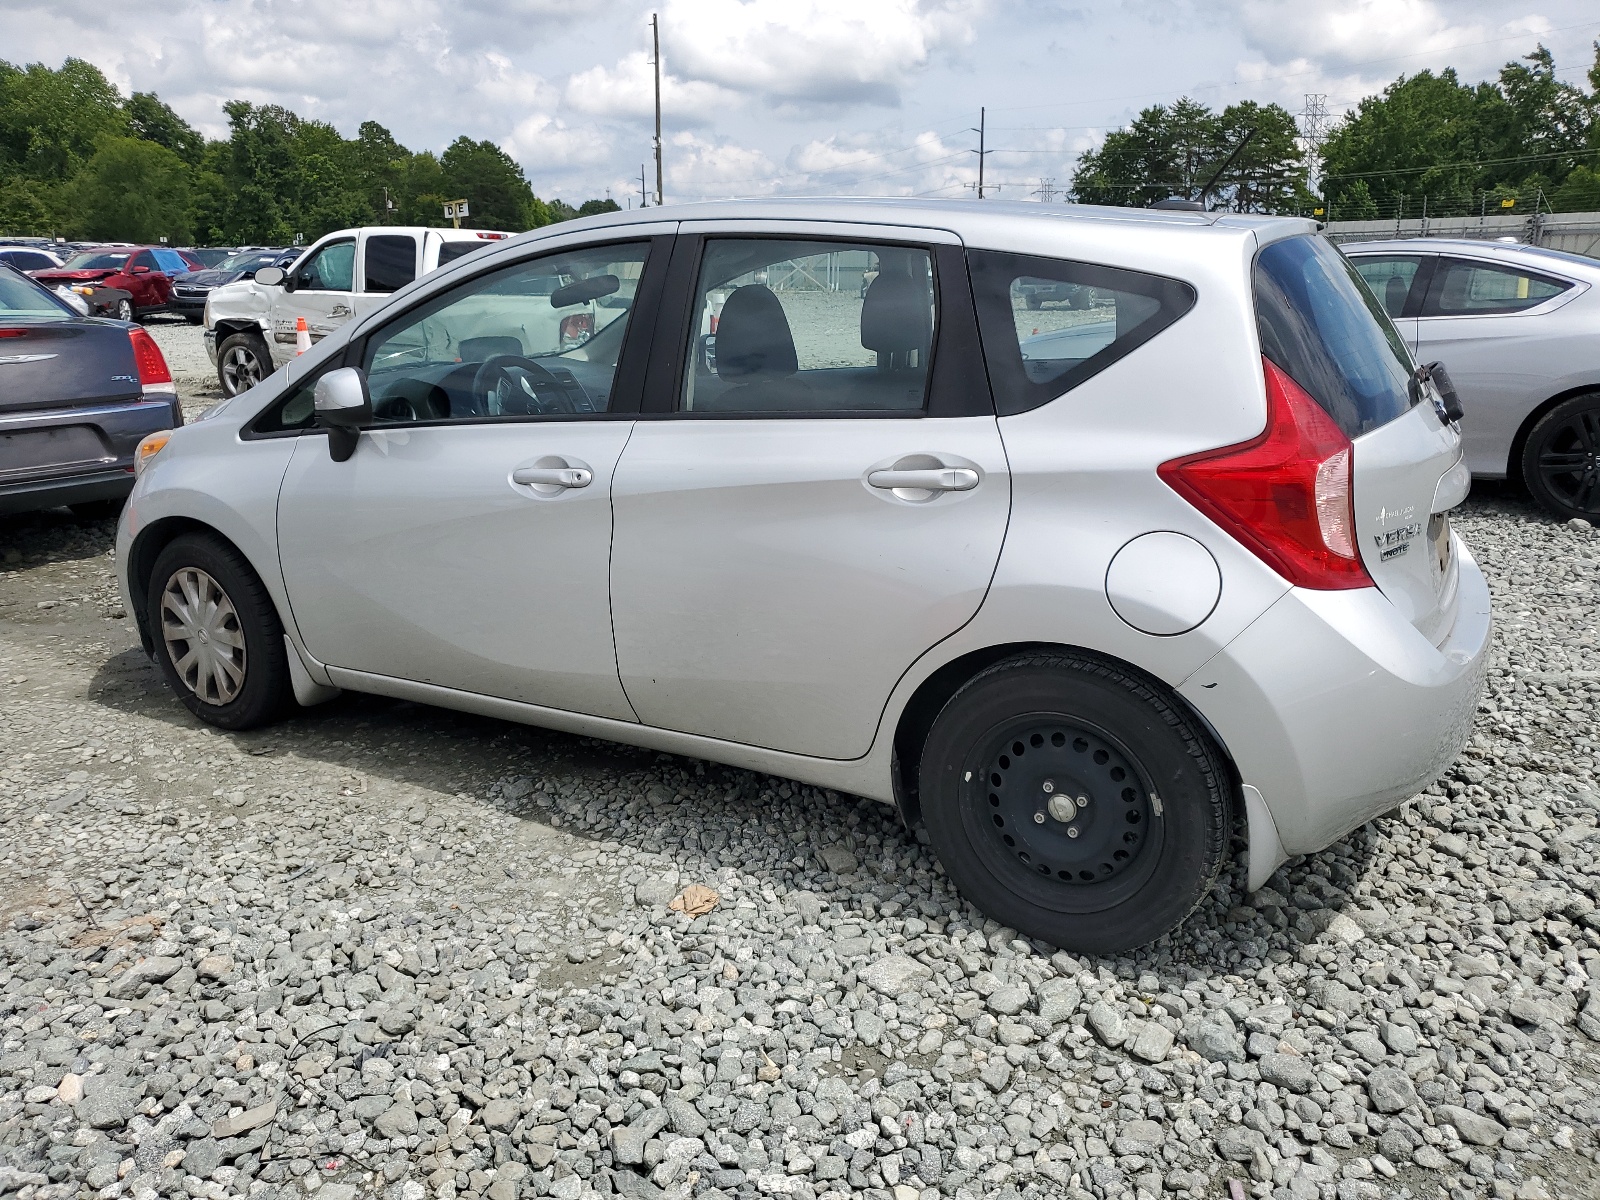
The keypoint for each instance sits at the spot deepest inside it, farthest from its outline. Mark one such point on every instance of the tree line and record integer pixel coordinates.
(80, 160)
(1428, 143)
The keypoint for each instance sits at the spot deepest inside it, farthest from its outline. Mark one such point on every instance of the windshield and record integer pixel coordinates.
(1323, 327)
(246, 262)
(21, 297)
(98, 260)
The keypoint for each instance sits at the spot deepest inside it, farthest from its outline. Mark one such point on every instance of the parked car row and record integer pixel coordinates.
(1073, 606)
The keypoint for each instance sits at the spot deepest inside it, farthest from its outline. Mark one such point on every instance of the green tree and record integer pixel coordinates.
(133, 190)
(1177, 151)
(593, 208)
(150, 118)
(491, 182)
(51, 121)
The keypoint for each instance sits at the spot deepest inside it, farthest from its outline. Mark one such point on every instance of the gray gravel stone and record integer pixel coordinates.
(1391, 1090)
(1473, 1127)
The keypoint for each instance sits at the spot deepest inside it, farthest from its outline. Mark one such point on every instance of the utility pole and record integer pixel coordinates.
(644, 192)
(981, 152)
(1046, 191)
(655, 41)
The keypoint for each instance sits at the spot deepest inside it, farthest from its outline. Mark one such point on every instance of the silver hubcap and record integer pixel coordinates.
(203, 637)
(241, 369)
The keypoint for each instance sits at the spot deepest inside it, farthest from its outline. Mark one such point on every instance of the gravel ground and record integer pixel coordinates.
(384, 950)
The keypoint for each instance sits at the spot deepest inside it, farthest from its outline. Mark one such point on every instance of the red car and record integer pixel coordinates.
(144, 272)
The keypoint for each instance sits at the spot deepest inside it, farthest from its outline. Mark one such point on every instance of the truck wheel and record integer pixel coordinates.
(1075, 801)
(217, 635)
(242, 362)
(1561, 460)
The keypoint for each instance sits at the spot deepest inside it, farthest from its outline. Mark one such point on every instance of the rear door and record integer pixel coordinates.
(805, 508)
(1486, 322)
(388, 262)
(1333, 338)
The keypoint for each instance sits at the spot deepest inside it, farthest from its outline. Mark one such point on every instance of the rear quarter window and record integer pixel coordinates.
(1324, 328)
(1048, 324)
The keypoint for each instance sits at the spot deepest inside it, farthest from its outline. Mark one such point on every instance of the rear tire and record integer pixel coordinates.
(217, 635)
(1076, 801)
(243, 361)
(1561, 459)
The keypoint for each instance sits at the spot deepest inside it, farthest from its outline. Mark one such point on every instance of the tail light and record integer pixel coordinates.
(1286, 494)
(154, 376)
(576, 329)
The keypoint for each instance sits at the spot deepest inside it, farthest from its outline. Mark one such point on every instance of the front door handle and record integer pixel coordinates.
(561, 477)
(938, 479)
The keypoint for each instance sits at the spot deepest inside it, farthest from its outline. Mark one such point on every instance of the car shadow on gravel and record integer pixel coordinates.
(853, 852)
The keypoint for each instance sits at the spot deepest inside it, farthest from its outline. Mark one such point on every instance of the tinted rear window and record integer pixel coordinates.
(391, 261)
(1324, 328)
(451, 251)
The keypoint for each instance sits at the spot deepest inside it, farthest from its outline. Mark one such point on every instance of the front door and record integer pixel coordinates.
(466, 542)
(1399, 281)
(817, 509)
(324, 294)
(145, 287)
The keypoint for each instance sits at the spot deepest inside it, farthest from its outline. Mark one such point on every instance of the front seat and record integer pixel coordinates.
(755, 352)
(1394, 295)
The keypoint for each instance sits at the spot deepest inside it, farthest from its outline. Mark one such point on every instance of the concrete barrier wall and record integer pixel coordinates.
(1576, 233)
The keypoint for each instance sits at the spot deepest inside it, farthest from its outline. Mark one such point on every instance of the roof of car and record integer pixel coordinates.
(1532, 257)
(948, 214)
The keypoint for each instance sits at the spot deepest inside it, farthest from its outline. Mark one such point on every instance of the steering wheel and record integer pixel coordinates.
(545, 396)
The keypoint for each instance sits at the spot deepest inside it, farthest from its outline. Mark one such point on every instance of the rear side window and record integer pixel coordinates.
(1049, 324)
(1462, 288)
(451, 251)
(391, 262)
(1327, 331)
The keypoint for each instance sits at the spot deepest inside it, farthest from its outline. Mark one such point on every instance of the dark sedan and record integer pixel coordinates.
(189, 291)
(77, 396)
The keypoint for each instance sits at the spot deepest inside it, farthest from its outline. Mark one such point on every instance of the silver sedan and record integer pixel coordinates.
(1518, 330)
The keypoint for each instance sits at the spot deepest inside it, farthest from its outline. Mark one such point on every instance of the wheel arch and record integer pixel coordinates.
(228, 326)
(147, 547)
(1519, 441)
(916, 718)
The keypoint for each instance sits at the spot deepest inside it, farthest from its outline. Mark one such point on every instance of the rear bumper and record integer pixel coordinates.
(74, 455)
(1336, 709)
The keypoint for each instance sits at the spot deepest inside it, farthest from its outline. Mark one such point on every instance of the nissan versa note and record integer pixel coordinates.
(811, 487)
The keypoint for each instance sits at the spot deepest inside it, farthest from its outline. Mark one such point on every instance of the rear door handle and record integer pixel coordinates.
(561, 477)
(937, 479)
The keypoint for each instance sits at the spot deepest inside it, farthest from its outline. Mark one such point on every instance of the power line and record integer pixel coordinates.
(1487, 162)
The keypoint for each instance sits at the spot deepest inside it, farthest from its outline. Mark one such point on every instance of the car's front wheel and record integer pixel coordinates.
(217, 635)
(1075, 801)
(1561, 459)
(124, 310)
(242, 362)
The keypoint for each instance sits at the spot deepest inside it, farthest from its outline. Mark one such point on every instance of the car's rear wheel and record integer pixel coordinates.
(217, 635)
(242, 362)
(1075, 801)
(1561, 459)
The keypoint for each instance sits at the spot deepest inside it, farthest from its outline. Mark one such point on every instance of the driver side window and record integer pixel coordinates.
(330, 269)
(539, 338)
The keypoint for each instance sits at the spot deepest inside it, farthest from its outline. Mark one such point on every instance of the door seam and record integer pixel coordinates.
(611, 555)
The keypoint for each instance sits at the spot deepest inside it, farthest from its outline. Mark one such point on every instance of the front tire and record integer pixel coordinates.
(124, 310)
(243, 361)
(1561, 459)
(1075, 801)
(217, 635)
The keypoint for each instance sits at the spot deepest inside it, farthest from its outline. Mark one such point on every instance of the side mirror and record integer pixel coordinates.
(271, 276)
(140, 271)
(342, 405)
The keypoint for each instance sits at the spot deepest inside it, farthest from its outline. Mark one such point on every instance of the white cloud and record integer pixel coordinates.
(701, 168)
(813, 50)
(627, 91)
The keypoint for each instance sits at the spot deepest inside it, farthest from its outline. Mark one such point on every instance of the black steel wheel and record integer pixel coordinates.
(1561, 459)
(1076, 801)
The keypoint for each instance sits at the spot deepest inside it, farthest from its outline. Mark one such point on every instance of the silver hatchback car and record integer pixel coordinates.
(1518, 331)
(811, 487)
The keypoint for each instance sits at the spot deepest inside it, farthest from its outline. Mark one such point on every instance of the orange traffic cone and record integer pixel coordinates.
(302, 336)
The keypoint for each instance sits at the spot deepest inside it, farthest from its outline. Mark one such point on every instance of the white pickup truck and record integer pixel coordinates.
(250, 325)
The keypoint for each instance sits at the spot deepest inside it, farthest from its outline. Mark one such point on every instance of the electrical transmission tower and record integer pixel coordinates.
(1047, 190)
(1314, 124)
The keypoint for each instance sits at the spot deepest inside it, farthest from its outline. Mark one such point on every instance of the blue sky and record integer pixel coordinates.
(776, 96)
